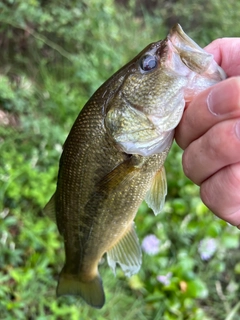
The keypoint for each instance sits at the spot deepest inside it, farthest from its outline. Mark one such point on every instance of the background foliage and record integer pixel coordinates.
(54, 55)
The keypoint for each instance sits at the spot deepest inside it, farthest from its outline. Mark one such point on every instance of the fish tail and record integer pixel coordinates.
(91, 291)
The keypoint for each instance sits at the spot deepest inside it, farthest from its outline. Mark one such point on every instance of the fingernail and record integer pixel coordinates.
(222, 99)
(237, 129)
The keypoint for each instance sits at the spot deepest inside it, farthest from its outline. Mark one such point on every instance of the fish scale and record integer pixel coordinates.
(114, 155)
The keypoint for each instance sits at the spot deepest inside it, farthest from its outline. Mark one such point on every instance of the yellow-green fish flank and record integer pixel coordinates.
(114, 155)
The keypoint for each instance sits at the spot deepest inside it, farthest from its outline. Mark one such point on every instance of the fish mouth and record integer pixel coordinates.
(181, 40)
(191, 54)
(176, 51)
(184, 52)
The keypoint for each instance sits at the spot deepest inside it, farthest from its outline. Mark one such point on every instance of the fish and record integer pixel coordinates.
(113, 159)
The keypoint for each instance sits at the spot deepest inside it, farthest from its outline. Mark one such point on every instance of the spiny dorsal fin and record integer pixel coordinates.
(127, 253)
(49, 208)
(155, 197)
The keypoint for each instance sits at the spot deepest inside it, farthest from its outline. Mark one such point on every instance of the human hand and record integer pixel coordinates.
(209, 134)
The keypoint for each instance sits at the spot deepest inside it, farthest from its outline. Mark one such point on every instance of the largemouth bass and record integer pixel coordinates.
(114, 155)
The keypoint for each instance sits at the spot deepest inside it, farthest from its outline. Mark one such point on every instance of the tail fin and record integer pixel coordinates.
(91, 291)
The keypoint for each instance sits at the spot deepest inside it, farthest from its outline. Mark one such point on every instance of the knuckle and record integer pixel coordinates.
(233, 86)
(210, 190)
(185, 164)
(205, 195)
(188, 163)
(220, 193)
(221, 144)
(233, 178)
(214, 144)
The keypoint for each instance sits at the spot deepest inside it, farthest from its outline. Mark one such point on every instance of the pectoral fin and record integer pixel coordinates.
(127, 253)
(122, 174)
(155, 197)
(49, 208)
(118, 180)
(113, 179)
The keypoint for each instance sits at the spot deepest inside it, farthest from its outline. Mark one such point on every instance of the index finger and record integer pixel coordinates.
(226, 52)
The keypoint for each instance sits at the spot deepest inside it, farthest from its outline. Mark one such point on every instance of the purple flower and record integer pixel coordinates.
(207, 248)
(165, 280)
(151, 244)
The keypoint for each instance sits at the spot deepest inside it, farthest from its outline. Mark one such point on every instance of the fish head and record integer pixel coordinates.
(155, 86)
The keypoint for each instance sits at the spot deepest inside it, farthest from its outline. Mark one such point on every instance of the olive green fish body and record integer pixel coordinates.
(92, 202)
(114, 155)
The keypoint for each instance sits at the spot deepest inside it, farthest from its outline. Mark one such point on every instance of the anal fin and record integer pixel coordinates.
(155, 197)
(127, 253)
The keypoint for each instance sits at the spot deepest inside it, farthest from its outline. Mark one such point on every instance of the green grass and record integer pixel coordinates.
(52, 60)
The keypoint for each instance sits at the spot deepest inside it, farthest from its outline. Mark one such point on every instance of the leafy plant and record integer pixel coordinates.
(53, 57)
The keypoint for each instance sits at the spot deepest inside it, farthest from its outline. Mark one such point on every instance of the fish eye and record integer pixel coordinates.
(148, 62)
